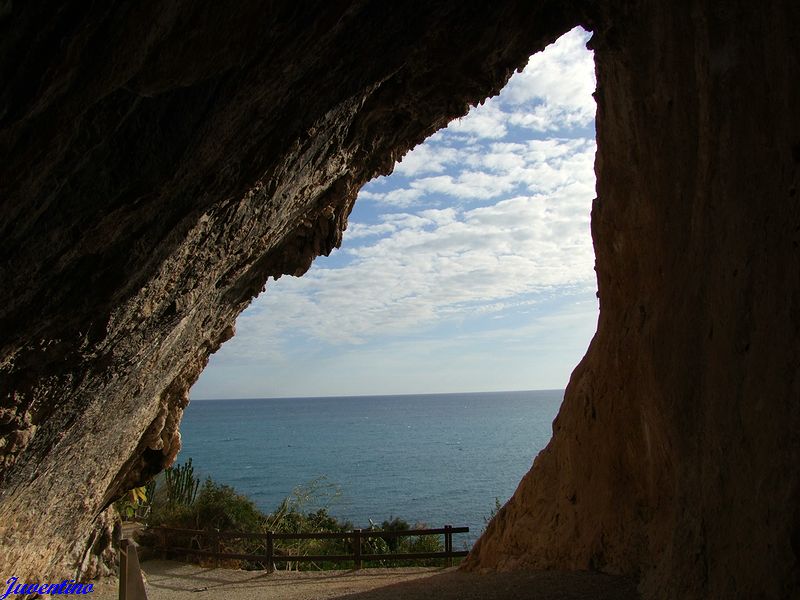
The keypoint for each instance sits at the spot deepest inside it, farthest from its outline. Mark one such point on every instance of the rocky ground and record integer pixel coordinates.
(173, 580)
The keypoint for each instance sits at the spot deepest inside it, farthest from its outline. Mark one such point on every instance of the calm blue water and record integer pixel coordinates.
(435, 459)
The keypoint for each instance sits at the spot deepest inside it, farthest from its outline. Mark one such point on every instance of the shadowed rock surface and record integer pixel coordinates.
(675, 453)
(159, 161)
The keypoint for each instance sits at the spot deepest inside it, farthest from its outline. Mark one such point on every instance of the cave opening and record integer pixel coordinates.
(468, 272)
(152, 183)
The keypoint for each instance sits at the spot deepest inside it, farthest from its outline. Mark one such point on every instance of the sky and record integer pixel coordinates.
(470, 268)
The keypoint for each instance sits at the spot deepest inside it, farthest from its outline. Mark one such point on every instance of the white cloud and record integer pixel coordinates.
(360, 230)
(485, 226)
(485, 121)
(537, 166)
(467, 185)
(554, 90)
(442, 216)
(413, 269)
(426, 158)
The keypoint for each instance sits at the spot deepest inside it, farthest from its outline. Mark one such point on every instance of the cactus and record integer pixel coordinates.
(150, 490)
(181, 484)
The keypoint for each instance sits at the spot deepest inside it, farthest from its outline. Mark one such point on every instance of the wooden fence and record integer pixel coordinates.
(271, 555)
(131, 585)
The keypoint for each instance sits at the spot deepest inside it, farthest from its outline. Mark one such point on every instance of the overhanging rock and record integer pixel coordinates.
(159, 162)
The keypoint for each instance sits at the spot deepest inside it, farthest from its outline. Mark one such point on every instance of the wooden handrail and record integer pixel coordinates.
(272, 555)
(313, 535)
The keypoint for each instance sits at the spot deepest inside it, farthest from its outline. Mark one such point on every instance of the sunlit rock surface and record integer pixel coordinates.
(158, 162)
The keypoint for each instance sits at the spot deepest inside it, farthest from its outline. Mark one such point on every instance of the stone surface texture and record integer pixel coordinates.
(675, 454)
(159, 161)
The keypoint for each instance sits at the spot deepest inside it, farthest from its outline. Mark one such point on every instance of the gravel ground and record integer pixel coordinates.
(167, 580)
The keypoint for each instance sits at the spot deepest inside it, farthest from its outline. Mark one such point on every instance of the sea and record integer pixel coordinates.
(435, 459)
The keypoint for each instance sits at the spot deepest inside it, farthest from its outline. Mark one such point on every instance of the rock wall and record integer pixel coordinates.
(675, 454)
(159, 161)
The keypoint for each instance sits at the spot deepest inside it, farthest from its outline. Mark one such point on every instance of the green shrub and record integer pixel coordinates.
(178, 504)
(394, 524)
(403, 545)
(220, 507)
(492, 514)
(169, 515)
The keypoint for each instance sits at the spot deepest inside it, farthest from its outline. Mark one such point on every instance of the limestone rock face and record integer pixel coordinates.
(159, 161)
(675, 454)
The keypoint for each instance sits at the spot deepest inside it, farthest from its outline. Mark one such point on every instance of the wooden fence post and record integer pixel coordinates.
(123, 569)
(357, 564)
(162, 542)
(270, 548)
(131, 585)
(448, 544)
(217, 549)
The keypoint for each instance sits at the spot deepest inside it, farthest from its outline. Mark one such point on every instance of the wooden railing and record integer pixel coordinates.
(271, 555)
(131, 586)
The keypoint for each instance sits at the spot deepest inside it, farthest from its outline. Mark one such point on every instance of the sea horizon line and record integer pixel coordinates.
(400, 395)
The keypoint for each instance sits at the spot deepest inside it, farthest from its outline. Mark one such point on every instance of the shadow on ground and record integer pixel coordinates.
(169, 580)
(540, 585)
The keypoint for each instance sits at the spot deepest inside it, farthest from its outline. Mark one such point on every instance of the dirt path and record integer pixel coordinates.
(167, 580)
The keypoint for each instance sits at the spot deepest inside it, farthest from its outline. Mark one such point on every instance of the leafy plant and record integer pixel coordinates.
(131, 501)
(392, 524)
(220, 507)
(305, 510)
(389, 545)
(317, 494)
(215, 506)
(492, 514)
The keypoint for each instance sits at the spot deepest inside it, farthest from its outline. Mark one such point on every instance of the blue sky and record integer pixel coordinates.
(470, 268)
